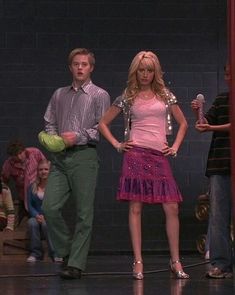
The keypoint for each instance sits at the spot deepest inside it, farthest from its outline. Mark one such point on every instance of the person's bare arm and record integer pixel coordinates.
(208, 127)
(104, 129)
(180, 119)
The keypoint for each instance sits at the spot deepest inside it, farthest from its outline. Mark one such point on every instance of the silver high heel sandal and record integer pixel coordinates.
(180, 274)
(137, 275)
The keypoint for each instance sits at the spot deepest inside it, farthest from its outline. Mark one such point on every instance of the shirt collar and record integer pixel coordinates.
(84, 87)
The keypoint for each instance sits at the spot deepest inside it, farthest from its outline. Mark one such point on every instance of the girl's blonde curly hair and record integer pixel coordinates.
(150, 60)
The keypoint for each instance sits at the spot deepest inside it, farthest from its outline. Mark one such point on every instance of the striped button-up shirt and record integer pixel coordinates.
(219, 157)
(78, 111)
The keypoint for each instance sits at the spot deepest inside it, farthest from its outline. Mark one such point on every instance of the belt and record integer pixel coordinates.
(80, 147)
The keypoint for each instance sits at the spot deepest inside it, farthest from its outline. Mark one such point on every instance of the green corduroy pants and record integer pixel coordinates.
(73, 175)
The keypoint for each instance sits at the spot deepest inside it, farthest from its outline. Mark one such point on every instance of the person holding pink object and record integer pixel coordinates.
(218, 171)
(146, 176)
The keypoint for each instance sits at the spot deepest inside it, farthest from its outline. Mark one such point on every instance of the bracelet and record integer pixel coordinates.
(119, 147)
(174, 155)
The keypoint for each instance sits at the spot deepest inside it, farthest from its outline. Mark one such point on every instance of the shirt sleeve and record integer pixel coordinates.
(119, 102)
(171, 98)
(6, 171)
(39, 155)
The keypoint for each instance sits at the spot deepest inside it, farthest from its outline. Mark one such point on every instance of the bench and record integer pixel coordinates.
(16, 240)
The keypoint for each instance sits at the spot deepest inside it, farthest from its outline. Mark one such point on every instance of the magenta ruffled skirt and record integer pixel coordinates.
(147, 177)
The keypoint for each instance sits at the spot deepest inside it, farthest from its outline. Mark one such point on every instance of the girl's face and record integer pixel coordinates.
(145, 75)
(43, 170)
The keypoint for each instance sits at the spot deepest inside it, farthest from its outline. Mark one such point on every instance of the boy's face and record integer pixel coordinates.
(20, 157)
(81, 68)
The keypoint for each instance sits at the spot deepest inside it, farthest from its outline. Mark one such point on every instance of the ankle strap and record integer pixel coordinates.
(137, 262)
(175, 262)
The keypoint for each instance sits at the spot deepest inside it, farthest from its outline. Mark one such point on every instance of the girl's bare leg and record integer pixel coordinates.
(172, 229)
(135, 213)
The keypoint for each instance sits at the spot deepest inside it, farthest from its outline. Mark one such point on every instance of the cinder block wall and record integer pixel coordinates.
(190, 40)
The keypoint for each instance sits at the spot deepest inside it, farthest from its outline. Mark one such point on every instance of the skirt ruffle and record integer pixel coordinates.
(147, 177)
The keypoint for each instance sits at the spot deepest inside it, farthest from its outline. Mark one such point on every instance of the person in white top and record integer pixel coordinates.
(146, 175)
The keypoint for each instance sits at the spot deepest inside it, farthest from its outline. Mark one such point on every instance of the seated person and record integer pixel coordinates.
(21, 168)
(7, 212)
(36, 223)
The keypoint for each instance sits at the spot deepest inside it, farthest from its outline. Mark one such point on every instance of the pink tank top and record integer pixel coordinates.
(148, 123)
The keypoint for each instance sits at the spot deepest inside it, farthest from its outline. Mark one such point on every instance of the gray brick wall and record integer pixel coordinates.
(190, 40)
